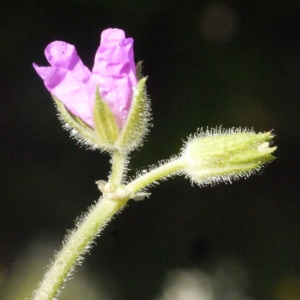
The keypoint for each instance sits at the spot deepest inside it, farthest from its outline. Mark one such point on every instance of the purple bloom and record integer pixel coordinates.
(70, 81)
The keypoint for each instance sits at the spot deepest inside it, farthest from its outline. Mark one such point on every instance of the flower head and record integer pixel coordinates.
(106, 108)
(113, 73)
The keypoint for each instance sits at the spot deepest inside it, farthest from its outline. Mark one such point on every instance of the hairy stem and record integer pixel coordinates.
(88, 228)
(77, 243)
(168, 169)
(118, 169)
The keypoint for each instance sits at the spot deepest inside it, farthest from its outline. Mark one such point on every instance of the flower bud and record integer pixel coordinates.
(226, 155)
(98, 105)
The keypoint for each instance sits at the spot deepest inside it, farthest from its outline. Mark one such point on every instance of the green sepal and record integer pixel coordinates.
(78, 128)
(104, 122)
(137, 123)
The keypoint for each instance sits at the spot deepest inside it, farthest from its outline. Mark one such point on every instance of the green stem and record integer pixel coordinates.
(119, 163)
(170, 168)
(79, 241)
(76, 244)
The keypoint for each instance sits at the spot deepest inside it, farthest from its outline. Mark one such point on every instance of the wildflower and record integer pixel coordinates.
(97, 103)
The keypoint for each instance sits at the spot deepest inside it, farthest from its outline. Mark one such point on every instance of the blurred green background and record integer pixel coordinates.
(210, 63)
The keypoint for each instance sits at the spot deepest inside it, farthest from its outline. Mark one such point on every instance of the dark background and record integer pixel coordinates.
(210, 63)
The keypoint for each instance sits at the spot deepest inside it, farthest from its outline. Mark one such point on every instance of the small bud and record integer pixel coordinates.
(226, 155)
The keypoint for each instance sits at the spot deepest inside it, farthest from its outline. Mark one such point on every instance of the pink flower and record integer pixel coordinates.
(114, 73)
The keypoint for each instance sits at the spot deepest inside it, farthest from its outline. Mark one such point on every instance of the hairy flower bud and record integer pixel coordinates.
(226, 155)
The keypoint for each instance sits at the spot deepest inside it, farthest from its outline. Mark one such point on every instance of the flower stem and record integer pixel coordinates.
(174, 166)
(77, 243)
(119, 163)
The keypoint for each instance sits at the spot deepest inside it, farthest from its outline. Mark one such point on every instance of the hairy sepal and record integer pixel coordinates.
(225, 155)
(104, 122)
(79, 130)
(137, 123)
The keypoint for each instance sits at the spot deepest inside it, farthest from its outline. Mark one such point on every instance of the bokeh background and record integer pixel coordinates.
(210, 63)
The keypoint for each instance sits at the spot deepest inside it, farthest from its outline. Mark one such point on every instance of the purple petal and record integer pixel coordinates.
(62, 55)
(67, 79)
(114, 72)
